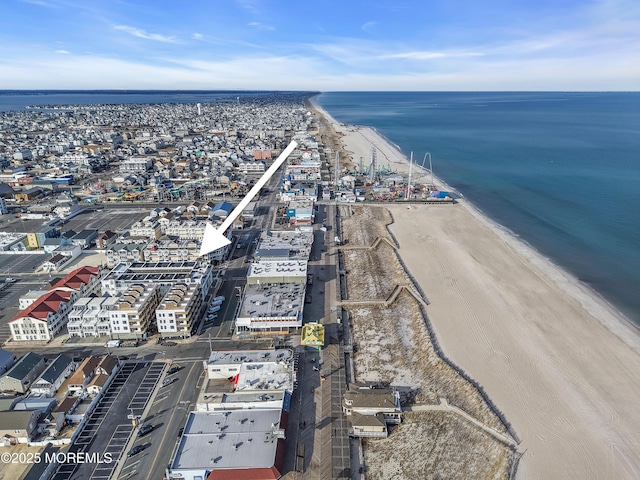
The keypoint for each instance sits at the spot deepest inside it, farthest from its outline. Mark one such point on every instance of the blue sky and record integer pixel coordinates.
(323, 45)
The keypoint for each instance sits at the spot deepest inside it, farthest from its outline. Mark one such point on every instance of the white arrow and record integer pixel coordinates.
(214, 238)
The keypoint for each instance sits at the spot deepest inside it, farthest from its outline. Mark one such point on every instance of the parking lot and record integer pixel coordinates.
(115, 219)
(109, 426)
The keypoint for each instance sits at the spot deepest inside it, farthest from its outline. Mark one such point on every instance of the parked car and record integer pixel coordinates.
(168, 381)
(135, 450)
(144, 430)
(173, 369)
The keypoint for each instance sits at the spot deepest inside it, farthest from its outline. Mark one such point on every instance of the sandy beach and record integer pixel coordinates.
(559, 362)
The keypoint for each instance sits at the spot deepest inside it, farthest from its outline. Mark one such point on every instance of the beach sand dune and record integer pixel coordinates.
(559, 362)
(567, 384)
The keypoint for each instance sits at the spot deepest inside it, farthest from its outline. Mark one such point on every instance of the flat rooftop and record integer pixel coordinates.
(228, 357)
(294, 241)
(282, 300)
(230, 439)
(278, 268)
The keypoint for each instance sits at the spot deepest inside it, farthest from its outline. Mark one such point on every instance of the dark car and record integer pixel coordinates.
(135, 450)
(173, 370)
(144, 430)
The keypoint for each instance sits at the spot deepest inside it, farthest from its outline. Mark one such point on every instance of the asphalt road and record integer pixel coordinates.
(168, 414)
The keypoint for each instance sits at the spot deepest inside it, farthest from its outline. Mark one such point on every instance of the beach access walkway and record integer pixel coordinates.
(445, 406)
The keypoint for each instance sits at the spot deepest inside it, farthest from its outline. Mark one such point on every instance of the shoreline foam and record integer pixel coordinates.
(553, 355)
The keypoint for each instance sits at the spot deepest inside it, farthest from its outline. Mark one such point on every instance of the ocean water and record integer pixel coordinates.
(560, 170)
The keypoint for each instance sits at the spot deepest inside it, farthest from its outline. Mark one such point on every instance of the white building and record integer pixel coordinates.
(270, 309)
(134, 311)
(260, 370)
(277, 271)
(44, 318)
(234, 443)
(55, 374)
(179, 310)
(89, 317)
(163, 275)
(136, 165)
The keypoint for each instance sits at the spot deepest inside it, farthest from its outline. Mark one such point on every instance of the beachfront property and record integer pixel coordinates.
(284, 244)
(369, 410)
(134, 311)
(232, 444)
(89, 317)
(179, 309)
(268, 309)
(225, 364)
(277, 271)
(211, 400)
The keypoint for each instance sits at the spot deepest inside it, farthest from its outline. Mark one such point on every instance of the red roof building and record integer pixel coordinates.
(44, 318)
(83, 280)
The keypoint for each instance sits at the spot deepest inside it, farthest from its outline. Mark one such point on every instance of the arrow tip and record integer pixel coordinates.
(212, 240)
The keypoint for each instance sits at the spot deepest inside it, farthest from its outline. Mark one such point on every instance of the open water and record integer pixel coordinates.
(559, 170)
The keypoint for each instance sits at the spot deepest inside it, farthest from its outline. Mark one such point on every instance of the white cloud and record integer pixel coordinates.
(63, 52)
(261, 26)
(367, 27)
(305, 73)
(197, 36)
(427, 55)
(136, 32)
(40, 3)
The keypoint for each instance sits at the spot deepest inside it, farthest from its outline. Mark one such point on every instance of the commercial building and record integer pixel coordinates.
(233, 444)
(270, 309)
(278, 245)
(277, 271)
(224, 364)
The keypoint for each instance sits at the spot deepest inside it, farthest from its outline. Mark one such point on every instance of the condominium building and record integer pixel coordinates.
(134, 311)
(179, 309)
(89, 317)
(161, 274)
